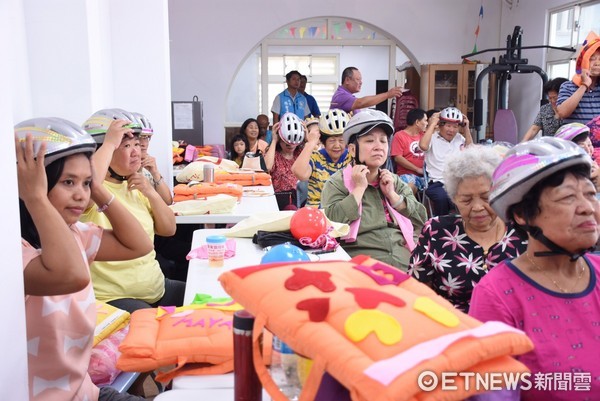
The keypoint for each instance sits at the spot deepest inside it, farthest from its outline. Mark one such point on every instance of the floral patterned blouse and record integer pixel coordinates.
(450, 262)
(281, 172)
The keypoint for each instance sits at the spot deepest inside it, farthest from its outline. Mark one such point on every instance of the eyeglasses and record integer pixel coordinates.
(145, 138)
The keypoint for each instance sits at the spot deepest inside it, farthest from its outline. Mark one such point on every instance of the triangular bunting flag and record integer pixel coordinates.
(301, 31)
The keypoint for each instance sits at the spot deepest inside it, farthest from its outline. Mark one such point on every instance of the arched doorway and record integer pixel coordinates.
(319, 48)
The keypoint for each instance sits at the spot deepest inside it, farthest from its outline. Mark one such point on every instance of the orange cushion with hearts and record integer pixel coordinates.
(373, 327)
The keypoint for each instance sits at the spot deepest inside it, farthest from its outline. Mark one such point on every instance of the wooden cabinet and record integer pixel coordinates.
(444, 85)
(450, 85)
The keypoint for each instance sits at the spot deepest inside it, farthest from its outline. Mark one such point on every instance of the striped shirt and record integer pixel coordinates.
(322, 168)
(588, 107)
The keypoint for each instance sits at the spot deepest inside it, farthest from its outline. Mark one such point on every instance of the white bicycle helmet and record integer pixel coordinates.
(98, 123)
(291, 130)
(451, 115)
(362, 123)
(333, 122)
(528, 163)
(571, 131)
(145, 123)
(311, 121)
(63, 138)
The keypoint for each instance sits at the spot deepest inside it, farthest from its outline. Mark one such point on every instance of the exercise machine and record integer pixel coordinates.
(509, 63)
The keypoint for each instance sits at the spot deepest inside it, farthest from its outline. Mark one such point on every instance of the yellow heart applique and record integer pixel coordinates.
(361, 323)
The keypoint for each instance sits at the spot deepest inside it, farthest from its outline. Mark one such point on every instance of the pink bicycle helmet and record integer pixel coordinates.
(451, 115)
(528, 163)
(62, 137)
(572, 131)
(291, 130)
(333, 122)
(98, 123)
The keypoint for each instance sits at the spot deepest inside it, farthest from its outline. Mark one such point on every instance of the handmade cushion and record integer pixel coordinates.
(109, 319)
(244, 178)
(218, 204)
(195, 170)
(371, 326)
(204, 190)
(164, 336)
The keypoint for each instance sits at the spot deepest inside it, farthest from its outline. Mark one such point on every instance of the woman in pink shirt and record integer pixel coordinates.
(551, 291)
(55, 185)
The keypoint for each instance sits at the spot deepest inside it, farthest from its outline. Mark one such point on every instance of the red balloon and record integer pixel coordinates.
(308, 222)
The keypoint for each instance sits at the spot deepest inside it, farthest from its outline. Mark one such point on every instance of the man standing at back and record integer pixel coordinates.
(290, 100)
(312, 102)
(344, 98)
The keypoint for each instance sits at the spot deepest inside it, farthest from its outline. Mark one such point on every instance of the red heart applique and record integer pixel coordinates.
(317, 308)
(367, 298)
(303, 278)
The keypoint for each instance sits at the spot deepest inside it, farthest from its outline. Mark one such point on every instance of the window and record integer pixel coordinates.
(569, 27)
(321, 71)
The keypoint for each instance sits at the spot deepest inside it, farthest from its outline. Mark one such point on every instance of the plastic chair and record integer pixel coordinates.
(422, 196)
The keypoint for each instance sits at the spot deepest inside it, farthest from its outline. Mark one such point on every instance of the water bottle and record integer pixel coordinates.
(208, 172)
(247, 386)
(284, 369)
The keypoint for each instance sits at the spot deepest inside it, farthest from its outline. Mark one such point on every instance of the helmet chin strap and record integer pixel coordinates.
(116, 176)
(356, 159)
(555, 249)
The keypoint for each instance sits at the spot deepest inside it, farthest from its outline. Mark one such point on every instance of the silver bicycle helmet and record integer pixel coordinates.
(291, 130)
(98, 123)
(145, 123)
(62, 137)
(362, 123)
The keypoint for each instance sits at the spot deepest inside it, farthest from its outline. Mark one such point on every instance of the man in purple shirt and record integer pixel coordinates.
(344, 98)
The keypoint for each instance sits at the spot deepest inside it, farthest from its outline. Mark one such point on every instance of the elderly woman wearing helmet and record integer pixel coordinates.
(552, 291)
(316, 164)
(455, 251)
(149, 167)
(137, 283)
(580, 134)
(438, 145)
(384, 215)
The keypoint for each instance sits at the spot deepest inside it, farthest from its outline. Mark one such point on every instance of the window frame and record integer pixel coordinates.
(556, 57)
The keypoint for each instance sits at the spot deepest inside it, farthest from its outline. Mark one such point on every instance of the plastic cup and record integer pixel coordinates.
(216, 250)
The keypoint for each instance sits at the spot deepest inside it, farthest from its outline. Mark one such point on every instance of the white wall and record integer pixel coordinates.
(210, 38)
(68, 58)
(13, 369)
(86, 55)
(525, 89)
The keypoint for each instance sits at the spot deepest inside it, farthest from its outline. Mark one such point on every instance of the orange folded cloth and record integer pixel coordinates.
(183, 192)
(244, 179)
